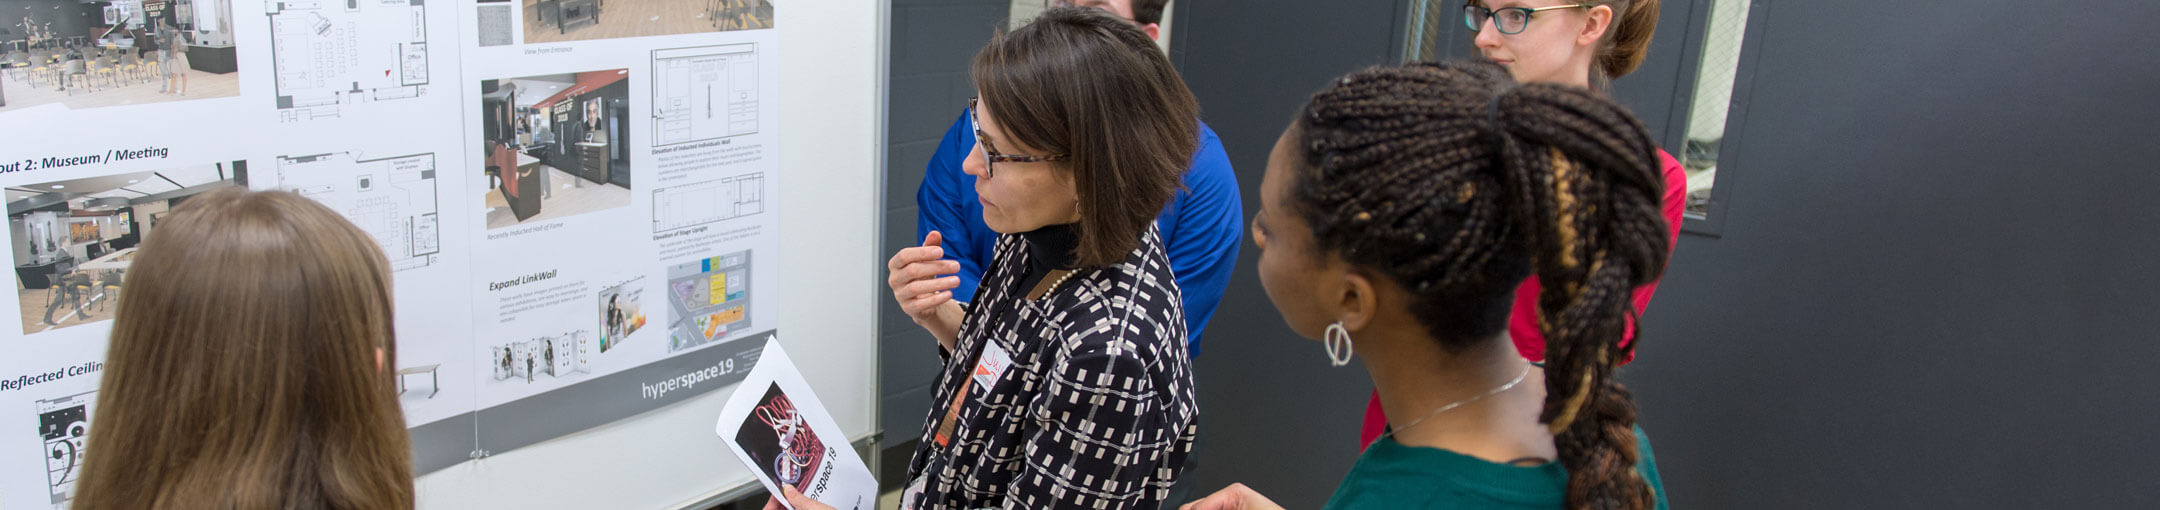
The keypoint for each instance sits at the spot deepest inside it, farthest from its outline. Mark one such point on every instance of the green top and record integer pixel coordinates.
(1391, 475)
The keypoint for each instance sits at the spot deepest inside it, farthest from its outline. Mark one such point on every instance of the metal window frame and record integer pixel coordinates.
(1711, 223)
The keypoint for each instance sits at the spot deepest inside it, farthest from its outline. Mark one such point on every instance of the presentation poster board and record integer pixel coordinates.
(580, 200)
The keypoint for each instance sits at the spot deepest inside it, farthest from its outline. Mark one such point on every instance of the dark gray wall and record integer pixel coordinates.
(932, 42)
(1933, 265)
(1927, 290)
(1274, 414)
(1929, 287)
(1924, 293)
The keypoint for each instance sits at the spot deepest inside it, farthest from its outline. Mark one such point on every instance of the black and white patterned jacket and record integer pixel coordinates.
(1096, 409)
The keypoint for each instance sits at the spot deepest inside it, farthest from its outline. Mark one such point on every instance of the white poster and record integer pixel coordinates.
(623, 160)
(777, 427)
(567, 191)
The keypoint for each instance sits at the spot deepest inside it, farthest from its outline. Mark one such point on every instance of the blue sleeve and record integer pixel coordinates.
(945, 202)
(1203, 228)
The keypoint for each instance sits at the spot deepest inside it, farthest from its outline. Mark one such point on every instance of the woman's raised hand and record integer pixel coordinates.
(914, 275)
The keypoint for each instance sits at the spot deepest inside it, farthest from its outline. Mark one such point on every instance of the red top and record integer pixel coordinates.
(1522, 323)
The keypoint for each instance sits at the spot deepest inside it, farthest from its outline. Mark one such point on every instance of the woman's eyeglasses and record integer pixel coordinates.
(990, 153)
(1510, 20)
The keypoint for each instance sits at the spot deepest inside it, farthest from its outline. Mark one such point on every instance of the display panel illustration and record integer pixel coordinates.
(622, 312)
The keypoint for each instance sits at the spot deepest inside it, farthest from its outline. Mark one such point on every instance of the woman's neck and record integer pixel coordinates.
(1580, 78)
(1416, 376)
(1051, 247)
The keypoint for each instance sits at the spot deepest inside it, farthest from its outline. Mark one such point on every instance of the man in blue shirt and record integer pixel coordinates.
(1202, 227)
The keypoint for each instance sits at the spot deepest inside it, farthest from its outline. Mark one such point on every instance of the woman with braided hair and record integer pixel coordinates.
(1584, 43)
(1402, 208)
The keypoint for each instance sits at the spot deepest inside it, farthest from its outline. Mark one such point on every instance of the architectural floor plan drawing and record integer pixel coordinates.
(63, 422)
(331, 53)
(393, 199)
(708, 299)
(706, 202)
(704, 93)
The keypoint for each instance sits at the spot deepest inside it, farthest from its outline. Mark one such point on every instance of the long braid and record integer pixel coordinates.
(1589, 173)
(1457, 183)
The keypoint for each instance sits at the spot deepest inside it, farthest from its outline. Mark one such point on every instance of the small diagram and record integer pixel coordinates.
(493, 22)
(707, 299)
(393, 199)
(706, 202)
(555, 356)
(551, 21)
(63, 55)
(779, 440)
(556, 145)
(621, 312)
(433, 371)
(73, 240)
(62, 424)
(328, 55)
(704, 93)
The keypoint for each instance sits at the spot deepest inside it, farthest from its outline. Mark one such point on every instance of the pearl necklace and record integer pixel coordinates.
(1060, 281)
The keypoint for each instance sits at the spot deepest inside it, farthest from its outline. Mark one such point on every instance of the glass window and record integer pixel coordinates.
(1712, 100)
(1428, 27)
(1435, 32)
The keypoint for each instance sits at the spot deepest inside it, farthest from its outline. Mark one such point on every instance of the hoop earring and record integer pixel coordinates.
(1338, 344)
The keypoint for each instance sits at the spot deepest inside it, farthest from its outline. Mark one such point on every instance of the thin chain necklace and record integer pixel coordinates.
(1459, 403)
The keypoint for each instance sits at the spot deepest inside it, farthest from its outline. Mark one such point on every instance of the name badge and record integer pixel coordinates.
(914, 490)
(991, 366)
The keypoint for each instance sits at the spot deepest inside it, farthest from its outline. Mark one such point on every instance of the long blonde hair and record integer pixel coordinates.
(243, 372)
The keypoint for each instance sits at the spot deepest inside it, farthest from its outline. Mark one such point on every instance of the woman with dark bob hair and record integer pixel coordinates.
(1066, 382)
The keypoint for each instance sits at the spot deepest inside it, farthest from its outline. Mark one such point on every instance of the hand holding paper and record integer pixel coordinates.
(780, 429)
(795, 499)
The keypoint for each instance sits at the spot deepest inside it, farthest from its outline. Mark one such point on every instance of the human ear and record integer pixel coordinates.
(1600, 22)
(1358, 302)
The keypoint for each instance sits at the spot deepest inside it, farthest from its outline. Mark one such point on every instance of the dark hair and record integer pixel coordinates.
(1148, 11)
(1125, 117)
(242, 372)
(1455, 182)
